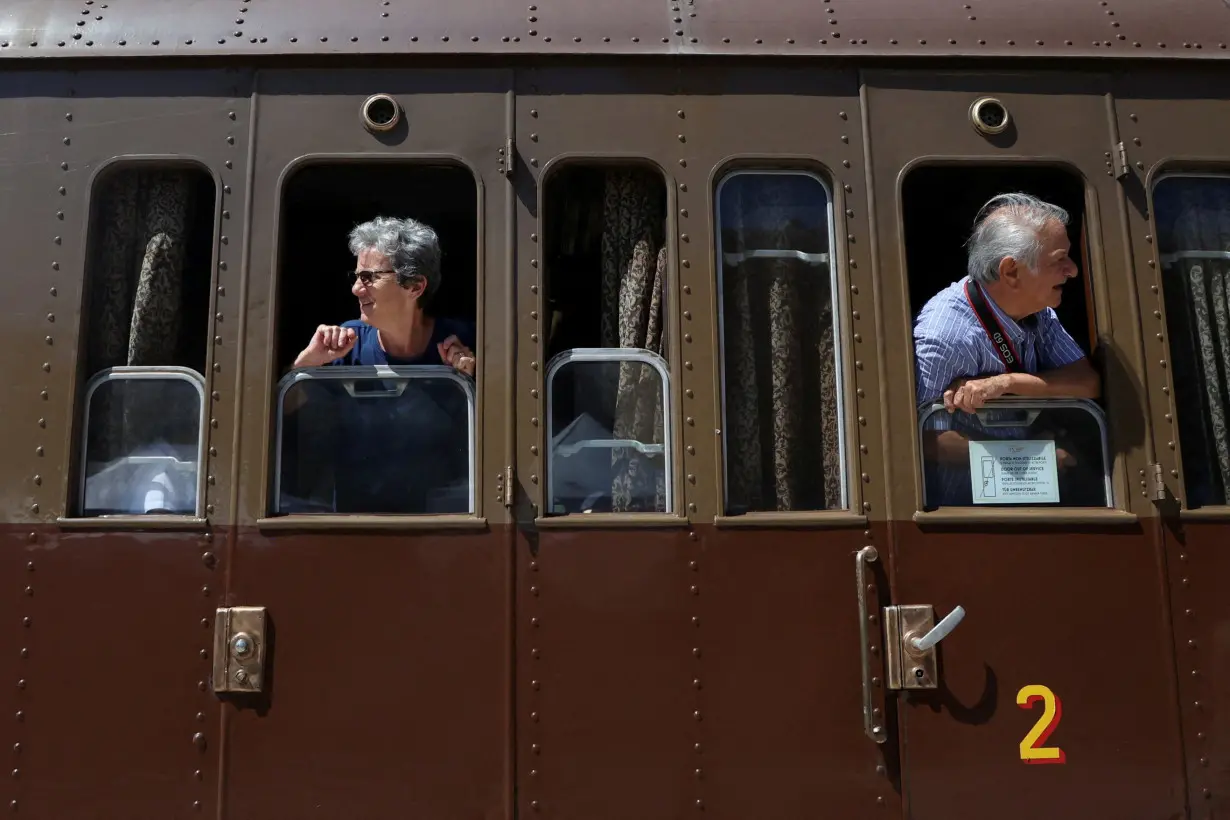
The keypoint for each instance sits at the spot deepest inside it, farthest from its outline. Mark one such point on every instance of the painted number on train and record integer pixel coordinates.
(1032, 750)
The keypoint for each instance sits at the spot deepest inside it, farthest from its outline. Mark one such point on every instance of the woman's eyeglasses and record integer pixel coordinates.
(366, 276)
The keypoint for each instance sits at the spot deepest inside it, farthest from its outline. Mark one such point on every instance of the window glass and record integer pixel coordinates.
(1192, 214)
(375, 440)
(607, 382)
(149, 273)
(1016, 452)
(142, 448)
(781, 373)
(609, 426)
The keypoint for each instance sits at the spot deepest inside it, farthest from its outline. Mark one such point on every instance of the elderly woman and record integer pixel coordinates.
(397, 272)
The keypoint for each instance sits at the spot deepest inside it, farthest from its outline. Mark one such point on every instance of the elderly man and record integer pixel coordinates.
(995, 332)
(397, 272)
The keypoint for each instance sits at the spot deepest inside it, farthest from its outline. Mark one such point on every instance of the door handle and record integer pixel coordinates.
(910, 637)
(871, 724)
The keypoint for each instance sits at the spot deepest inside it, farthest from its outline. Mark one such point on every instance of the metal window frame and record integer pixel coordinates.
(612, 354)
(837, 302)
(379, 372)
(1027, 404)
(152, 373)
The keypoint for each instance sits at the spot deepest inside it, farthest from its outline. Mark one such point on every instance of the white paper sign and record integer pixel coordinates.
(1013, 472)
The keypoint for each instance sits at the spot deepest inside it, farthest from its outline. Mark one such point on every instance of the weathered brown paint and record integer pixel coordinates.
(405, 663)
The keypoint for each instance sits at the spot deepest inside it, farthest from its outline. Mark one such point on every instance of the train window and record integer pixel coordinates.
(601, 463)
(388, 252)
(1014, 452)
(149, 273)
(147, 460)
(1041, 451)
(781, 366)
(1192, 213)
(406, 445)
(607, 381)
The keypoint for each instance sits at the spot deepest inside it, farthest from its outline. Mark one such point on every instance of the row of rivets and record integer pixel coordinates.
(536, 390)
(23, 682)
(697, 676)
(688, 309)
(1183, 592)
(856, 306)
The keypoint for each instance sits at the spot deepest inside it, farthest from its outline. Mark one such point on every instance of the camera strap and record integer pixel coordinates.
(995, 332)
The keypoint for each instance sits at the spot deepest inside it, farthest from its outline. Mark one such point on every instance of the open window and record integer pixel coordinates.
(1037, 452)
(607, 380)
(145, 342)
(1192, 214)
(386, 440)
(783, 423)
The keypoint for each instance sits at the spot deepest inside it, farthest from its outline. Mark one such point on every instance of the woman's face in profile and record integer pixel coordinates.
(381, 298)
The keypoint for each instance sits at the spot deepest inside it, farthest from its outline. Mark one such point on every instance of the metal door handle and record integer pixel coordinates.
(862, 558)
(940, 631)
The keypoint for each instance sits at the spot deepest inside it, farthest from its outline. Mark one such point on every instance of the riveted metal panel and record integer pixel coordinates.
(1054, 28)
(1170, 125)
(87, 602)
(1009, 575)
(387, 679)
(114, 692)
(777, 616)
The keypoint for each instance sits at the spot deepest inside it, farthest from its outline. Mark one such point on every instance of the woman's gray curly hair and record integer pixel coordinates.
(412, 247)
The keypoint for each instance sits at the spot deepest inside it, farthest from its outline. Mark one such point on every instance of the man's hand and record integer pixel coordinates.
(971, 394)
(329, 342)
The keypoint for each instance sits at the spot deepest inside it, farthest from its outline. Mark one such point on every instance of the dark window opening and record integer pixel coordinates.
(1014, 451)
(322, 203)
(1192, 214)
(605, 253)
(145, 341)
(939, 205)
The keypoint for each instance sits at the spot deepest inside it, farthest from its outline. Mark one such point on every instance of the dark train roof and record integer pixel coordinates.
(1000, 28)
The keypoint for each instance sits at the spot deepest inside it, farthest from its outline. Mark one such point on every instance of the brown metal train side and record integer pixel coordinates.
(755, 203)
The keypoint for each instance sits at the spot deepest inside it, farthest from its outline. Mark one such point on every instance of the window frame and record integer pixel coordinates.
(1219, 511)
(375, 372)
(1092, 407)
(610, 354)
(835, 261)
(153, 373)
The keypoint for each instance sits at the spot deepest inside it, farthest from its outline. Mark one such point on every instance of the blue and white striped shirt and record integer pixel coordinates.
(950, 343)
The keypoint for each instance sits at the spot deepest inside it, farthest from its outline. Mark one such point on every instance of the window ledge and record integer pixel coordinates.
(964, 516)
(172, 523)
(367, 523)
(611, 521)
(1220, 513)
(817, 520)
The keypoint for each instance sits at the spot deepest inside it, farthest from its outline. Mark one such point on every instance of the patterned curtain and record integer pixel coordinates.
(781, 404)
(137, 282)
(1198, 307)
(633, 274)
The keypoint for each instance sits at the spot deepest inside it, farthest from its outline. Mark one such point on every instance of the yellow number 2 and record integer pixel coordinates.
(1052, 710)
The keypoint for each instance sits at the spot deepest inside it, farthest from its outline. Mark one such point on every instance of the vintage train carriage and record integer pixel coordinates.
(687, 561)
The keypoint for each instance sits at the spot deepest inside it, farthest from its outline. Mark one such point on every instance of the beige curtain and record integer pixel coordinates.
(1198, 307)
(633, 277)
(141, 227)
(782, 435)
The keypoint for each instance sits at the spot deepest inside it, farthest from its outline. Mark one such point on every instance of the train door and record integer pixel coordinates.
(1177, 177)
(363, 653)
(1027, 649)
(112, 254)
(688, 640)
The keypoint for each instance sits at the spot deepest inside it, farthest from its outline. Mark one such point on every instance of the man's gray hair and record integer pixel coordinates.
(1009, 225)
(412, 247)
